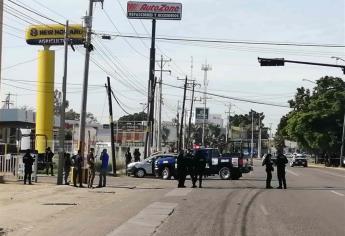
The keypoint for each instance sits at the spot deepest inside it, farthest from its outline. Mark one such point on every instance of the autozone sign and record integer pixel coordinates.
(154, 10)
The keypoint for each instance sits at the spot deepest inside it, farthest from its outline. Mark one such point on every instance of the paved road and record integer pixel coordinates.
(313, 204)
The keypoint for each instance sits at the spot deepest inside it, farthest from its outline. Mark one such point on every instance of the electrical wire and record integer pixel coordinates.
(128, 43)
(119, 103)
(231, 98)
(25, 7)
(247, 42)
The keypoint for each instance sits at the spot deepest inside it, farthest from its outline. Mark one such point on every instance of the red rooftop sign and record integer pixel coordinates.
(154, 10)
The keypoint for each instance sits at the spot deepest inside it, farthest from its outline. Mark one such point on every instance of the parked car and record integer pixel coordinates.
(299, 160)
(145, 167)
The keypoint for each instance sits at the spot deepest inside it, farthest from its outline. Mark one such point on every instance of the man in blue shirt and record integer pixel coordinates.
(104, 167)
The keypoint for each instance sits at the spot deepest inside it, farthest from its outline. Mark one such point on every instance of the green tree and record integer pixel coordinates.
(316, 119)
(141, 116)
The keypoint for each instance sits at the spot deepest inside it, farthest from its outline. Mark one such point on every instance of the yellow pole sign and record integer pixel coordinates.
(54, 34)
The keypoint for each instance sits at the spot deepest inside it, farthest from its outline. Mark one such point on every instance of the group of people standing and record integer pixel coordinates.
(191, 164)
(281, 162)
(76, 161)
(128, 155)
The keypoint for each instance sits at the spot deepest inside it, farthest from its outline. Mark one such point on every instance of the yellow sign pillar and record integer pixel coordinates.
(45, 99)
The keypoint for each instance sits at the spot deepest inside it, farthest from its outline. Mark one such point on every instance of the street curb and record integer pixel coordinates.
(325, 167)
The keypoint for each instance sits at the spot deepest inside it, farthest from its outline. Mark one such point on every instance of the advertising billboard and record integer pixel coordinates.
(54, 34)
(154, 10)
(199, 115)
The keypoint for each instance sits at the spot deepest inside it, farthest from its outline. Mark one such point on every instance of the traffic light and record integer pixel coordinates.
(271, 61)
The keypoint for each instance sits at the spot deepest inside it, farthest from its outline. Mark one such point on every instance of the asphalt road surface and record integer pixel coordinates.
(313, 204)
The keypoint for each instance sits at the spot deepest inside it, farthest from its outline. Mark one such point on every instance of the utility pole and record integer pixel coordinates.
(342, 143)
(1, 26)
(62, 111)
(252, 140)
(160, 101)
(151, 88)
(88, 49)
(111, 126)
(177, 124)
(228, 128)
(182, 116)
(259, 138)
(205, 68)
(269, 140)
(190, 115)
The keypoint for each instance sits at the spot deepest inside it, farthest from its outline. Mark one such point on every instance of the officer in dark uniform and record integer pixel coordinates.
(200, 159)
(190, 166)
(67, 166)
(28, 160)
(49, 161)
(181, 169)
(269, 168)
(281, 162)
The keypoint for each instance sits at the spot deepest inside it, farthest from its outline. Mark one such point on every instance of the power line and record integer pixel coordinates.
(119, 102)
(231, 98)
(111, 21)
(34, 12)
(230, 41)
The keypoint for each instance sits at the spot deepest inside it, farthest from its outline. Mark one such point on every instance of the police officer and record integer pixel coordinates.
(67, 166)
(200, 159)
(281, 161)
(181, 169)
(49, 161)
(269, 168)
(28, 160)
(78, 163)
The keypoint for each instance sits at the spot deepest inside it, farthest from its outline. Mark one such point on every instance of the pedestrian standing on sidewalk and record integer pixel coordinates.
(78, 164)
(67, 166)
(281, 162)
(49, 161)
(269, 168)
(104, 168)
(28, 160)
(92, 170)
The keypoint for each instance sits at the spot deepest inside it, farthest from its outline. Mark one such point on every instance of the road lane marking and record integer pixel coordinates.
(146, 221)
(263, 209)
(291, 172)
(178, 192)
(328, 173)
(339, 194)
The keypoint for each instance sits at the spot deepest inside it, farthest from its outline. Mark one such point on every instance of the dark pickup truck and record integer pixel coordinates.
(227, 166)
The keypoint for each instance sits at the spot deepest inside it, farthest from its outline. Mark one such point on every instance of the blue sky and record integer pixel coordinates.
(235, 70)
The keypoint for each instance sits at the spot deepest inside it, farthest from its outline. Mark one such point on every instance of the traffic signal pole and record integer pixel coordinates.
(281, 62)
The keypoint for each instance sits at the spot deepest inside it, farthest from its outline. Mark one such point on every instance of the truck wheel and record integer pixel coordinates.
(224, 173)
(140, 173)
(166, 173)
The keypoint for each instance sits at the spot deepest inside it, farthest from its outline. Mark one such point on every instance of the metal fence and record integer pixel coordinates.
(9, 164)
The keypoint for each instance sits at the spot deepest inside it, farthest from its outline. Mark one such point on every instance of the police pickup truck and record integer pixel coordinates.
(227, 166)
